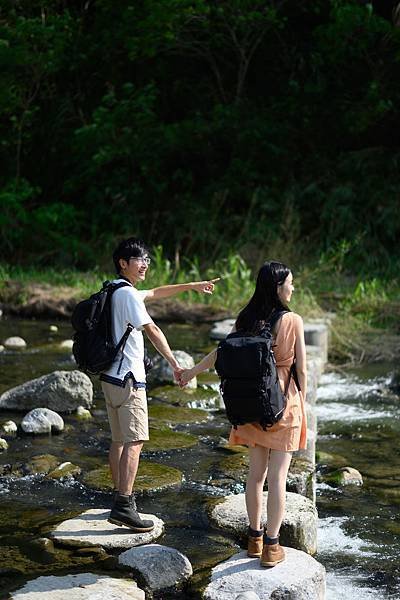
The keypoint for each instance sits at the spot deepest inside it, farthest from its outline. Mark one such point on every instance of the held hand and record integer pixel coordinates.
(185, 376)
(177, 373)
(207, 287)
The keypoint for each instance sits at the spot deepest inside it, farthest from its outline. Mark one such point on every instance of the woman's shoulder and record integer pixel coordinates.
(291, 319)
(291, 316)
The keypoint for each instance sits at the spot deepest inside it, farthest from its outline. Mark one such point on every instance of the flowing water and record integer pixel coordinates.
(358, 426)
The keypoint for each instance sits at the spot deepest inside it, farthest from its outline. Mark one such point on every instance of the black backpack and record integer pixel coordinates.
(94, 349)
(250, 386)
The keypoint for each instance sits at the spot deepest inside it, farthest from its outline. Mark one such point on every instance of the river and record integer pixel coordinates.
(358, 426)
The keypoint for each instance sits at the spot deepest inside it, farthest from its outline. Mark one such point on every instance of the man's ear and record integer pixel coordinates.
(122, 263)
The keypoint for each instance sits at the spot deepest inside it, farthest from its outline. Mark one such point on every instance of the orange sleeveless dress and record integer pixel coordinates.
(290, 433)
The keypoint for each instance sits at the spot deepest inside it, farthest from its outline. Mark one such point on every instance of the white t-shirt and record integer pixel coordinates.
(127, 306)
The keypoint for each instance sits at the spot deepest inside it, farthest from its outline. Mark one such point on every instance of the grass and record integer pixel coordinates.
(364, 306)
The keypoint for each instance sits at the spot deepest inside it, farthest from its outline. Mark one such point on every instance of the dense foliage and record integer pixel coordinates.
(200, 125)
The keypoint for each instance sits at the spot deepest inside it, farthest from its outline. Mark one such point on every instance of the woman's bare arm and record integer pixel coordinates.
(206, 362)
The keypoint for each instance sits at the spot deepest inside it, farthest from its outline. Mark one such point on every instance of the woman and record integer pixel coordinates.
(270, 451)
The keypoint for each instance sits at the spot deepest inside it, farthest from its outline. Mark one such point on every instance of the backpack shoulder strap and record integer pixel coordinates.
(121, 284)
(276, 315)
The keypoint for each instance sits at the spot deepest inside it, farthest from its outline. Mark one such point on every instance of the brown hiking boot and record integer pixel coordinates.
(272, 554)
(254, 546)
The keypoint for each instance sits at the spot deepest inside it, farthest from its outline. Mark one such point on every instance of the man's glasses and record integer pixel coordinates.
(143, 259)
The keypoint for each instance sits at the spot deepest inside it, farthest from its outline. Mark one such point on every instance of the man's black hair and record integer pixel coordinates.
(131, 247)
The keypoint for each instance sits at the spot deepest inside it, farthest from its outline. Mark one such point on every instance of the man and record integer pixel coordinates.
(124, 383)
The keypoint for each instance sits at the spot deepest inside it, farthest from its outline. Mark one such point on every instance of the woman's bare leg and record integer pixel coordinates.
(255, 484)
(278, 468)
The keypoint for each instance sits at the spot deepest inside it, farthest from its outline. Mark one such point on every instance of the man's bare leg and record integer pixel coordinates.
(128, 466)
(114, 457)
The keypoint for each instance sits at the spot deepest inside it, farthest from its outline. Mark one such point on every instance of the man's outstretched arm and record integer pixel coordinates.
(165, 291)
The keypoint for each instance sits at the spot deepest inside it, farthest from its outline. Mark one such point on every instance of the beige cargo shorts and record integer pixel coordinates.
(127, 412)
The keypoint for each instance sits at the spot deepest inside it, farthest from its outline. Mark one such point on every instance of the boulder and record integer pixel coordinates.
(221, 329)
(161, 567)
(8, 428)
(162, 372)
(298, 577)
(91, 528)
(299, 527)
(3, 445)
(83, 586)
(62, 391)
(344, 476)
(15, 343)
(42, 420)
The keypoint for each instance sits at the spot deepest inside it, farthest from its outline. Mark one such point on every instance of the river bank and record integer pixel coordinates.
(364, 314)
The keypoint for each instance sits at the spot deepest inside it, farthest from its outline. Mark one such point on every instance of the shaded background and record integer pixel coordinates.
(207, 127)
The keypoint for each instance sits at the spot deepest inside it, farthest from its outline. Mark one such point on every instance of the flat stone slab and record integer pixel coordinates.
(299, 526)
(84, 586)
(298, 577)
(91, 528)
(160, 566)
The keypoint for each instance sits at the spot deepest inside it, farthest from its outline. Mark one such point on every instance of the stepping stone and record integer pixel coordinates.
(161, 567)
(299, 577)
(91, 528)
(84, 586)
(299, 527)
(150, 476)
(316, 334)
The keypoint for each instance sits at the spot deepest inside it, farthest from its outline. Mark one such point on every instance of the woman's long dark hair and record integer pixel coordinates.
(265, 299)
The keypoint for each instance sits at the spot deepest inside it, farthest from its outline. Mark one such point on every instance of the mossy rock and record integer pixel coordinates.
(66, 469)
(343, 476)
(234, 467)
(164, 438)
(42, 463)
(198, 398)
(176, 414)
(151, 476)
